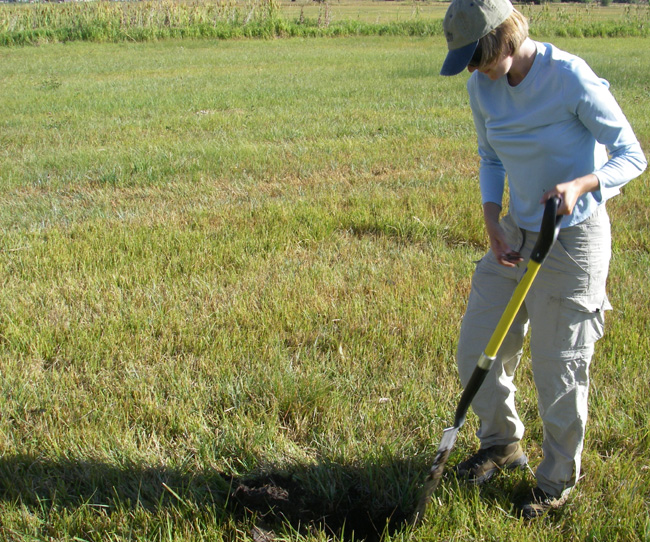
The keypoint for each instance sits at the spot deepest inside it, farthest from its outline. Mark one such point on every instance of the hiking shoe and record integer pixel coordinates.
(485, 463)
(539, 503)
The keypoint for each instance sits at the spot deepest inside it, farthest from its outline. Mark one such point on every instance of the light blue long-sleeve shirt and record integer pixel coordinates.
(560, 123)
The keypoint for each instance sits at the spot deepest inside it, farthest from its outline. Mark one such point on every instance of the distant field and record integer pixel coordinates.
(38, 23)
(370, 11)
(379, 11)
(233, 273)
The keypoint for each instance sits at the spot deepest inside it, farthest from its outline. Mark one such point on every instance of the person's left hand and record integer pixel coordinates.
(569, 192)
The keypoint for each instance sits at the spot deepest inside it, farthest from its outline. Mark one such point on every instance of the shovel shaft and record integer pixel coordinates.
(548, 234)
(511, 310)
(487, 359)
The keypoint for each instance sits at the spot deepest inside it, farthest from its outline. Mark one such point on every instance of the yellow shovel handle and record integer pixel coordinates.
(511, 311)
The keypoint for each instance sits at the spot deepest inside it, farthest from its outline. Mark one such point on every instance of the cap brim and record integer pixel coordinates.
(458, 59)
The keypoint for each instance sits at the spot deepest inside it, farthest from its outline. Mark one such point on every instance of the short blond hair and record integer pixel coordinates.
(505, 39)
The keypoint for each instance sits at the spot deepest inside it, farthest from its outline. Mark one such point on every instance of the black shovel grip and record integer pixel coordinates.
(549, 231)
(475, 382)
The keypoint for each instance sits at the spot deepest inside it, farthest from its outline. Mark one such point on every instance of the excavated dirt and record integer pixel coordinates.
(276, 500)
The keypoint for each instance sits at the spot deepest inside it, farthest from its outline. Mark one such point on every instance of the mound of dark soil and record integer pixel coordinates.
(280, 499)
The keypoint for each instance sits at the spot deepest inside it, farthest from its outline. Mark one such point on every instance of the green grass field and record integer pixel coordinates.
(232, 279)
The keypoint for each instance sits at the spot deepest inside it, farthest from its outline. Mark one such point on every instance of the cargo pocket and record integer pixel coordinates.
(580, 322)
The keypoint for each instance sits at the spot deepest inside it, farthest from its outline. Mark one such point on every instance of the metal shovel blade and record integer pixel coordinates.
(432, 480)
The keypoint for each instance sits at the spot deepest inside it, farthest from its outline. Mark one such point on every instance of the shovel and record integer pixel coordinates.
(548, 234)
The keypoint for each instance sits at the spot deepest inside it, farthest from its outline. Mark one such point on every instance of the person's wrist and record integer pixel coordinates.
(588, 183)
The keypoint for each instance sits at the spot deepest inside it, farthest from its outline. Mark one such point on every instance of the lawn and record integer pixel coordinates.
(233, 274)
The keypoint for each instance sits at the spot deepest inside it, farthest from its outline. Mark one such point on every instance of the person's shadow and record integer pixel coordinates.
(360, 502)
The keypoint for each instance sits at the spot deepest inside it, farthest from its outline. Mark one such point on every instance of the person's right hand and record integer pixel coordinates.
(505, 255)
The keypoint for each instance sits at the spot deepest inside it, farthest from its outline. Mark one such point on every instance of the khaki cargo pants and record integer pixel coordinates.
(565, 312)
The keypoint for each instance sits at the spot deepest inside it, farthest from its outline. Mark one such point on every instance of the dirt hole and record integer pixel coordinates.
(280, 500)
